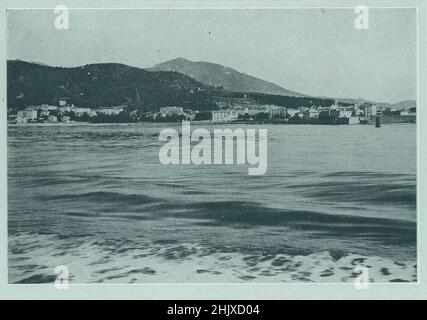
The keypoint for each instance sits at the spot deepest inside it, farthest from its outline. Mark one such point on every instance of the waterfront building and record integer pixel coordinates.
(224, 115)
(110, 111)
(241, 111)
(190, 115)
(44, 113)
(11, 118)
(293, 112)
(251, 110)
(66, 108)
(171, 110)
(344, 113)
(368, 109)
(80, 112)
(65, 119)
(276, 111)
(52, 119)
(25, 116)
(310, 113)
(46, 107)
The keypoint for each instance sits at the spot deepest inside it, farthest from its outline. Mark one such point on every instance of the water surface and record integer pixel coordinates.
(96, 199)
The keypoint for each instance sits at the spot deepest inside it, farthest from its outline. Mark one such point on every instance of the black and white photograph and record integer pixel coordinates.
(180, 146)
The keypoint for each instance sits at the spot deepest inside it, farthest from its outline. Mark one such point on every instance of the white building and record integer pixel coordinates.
(66, 108)
(52, 119)
(345, 113)
(294, 113)
(110, 111)
(46, 107)
(80, 112)
(25, 116)
(44, 113)
(65, 119)
(368, 109)
(276, 111)
(224, 115)
(169, 111)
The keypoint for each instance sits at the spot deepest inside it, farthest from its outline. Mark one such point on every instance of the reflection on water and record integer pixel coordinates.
(97, 199)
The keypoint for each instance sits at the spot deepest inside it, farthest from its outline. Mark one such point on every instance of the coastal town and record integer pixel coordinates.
(337, 113)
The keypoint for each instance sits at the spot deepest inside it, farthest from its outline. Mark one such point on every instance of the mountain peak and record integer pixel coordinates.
(217, 75)
(178, 60)
(181, 59)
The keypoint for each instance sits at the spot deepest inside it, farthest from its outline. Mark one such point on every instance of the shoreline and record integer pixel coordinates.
(78, 123)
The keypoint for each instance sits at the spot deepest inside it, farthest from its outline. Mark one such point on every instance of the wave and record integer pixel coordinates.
(374, 189)
(104, 197)
(117, 205)
(238, 212)
(128, 261)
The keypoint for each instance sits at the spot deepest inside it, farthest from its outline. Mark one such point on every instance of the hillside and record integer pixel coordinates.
(105, 85)
(216, 75)
(406, 104)
(110, 84)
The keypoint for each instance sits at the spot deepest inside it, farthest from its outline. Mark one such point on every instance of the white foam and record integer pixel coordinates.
(118, 261)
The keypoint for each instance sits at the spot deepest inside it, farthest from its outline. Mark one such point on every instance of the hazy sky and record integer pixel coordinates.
(316, 52)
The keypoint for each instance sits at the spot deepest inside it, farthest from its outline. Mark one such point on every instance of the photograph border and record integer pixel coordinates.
(231, 290)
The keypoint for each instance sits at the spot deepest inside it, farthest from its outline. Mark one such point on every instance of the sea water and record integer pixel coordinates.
(96, 199)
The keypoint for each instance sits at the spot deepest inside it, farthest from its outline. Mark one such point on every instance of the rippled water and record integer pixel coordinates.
(96, 199)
